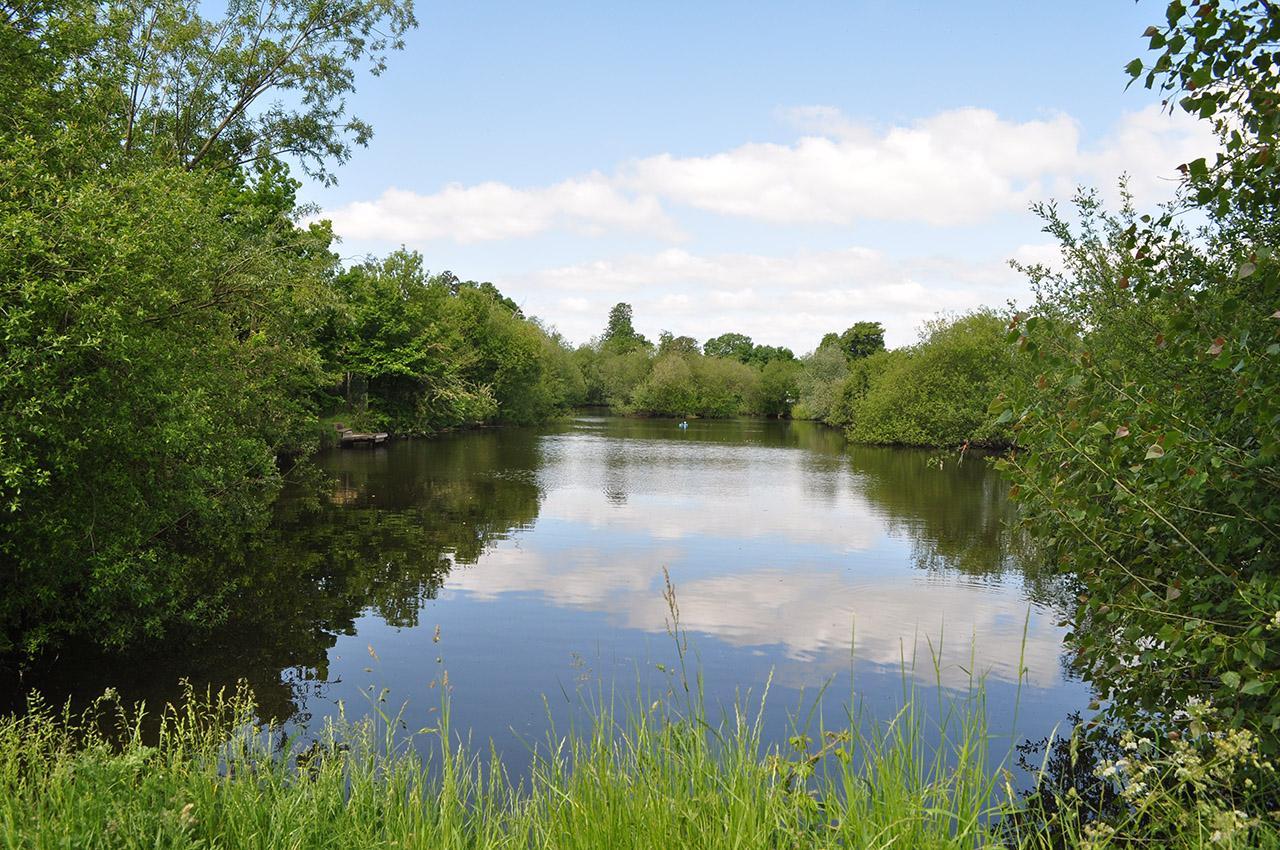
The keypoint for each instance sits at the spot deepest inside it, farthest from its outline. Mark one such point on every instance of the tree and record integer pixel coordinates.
(620, 335)
(683, 345)
(161, 304)
(1153, 425)
(935, 393)
(195, 88)
(735, 346)
(763, 355)
(818, 382)
(862, 339)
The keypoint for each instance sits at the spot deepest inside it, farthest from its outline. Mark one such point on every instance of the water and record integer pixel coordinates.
(536, 557)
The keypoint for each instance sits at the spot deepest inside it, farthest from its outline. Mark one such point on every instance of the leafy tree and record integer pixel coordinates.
(935, 393)
(733, 345)
(668, 390)
(438, 352)
(682, 345)
(725, 387)
(195, 88)
(762, 355)
(620, 335)
(778, 386)
(817, 383)
(1152, 424)
(160, 302)
(862, 339)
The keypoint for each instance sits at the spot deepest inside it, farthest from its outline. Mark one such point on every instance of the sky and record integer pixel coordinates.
(775, 169)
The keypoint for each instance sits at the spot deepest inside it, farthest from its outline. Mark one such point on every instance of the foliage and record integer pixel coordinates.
(778, 386)
(934, 393)
(146, 387)
(862, 339)
(168, 325)
(735, 345)
(816, 385)
(195, 87)
(668, 343)
(620, 336)
(1152, 426)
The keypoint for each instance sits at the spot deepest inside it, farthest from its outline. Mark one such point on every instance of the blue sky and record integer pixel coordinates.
(779, 169)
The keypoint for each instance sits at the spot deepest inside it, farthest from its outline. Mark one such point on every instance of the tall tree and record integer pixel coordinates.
(619, 334)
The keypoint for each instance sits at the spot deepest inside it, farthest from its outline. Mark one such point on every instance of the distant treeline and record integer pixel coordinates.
(933, 393)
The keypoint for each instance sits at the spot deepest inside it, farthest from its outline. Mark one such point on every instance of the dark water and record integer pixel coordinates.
(536, 557)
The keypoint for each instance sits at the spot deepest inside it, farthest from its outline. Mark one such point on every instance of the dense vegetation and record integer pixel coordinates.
(170, 331)
(1153, 423)
(1151, 427)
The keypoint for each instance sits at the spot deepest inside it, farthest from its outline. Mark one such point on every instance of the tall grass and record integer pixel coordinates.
(652, 777)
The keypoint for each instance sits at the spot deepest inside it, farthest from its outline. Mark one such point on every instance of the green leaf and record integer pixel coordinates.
(1155, 450)
(1231, 679)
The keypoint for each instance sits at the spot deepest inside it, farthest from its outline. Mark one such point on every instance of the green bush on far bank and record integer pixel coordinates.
(935, 393)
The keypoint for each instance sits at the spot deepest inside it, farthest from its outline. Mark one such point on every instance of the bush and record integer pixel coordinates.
(935, 393)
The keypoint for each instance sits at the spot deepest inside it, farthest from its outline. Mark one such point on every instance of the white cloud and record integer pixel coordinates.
(490, 211)
(953, 168)
(1148, 145)
(957, 167)
(789, 299)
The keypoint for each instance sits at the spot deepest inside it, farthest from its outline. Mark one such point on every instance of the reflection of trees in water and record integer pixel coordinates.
(378, 531)
(374, 530)
(956, 512)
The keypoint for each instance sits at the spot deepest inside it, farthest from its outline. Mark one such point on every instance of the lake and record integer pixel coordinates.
(529, 564)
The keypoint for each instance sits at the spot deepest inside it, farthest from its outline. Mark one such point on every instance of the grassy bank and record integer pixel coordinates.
(656, 777)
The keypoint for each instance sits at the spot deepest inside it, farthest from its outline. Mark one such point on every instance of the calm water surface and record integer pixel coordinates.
(536, 558)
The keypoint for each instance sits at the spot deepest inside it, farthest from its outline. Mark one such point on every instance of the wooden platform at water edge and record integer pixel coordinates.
(348, 438)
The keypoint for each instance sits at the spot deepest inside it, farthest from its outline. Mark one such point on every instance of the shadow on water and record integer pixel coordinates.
(369, 530)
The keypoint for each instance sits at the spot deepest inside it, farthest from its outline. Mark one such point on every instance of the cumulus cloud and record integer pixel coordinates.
(958, 167)
(1148, 146)
(492, 210)
(953, 168)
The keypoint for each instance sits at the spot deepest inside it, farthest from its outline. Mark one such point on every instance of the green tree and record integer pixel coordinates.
(818, 382)
(195, 88)
(682, 345)
(862, 339)
(160, 302)
(1152, 424)
(778, 386)
(620, 335)
(763, 355)
(732, 345)
(935, 393)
